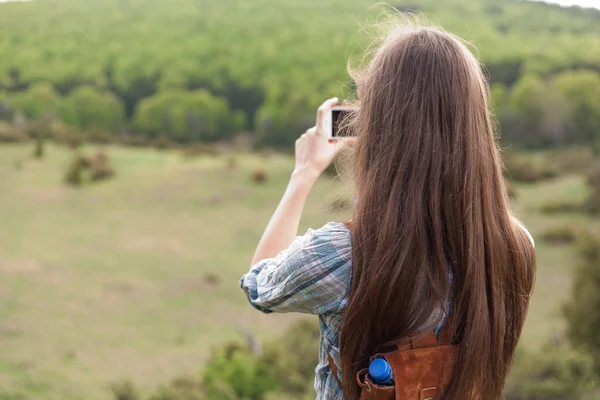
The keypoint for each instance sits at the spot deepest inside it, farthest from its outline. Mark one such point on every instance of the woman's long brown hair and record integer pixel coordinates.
(431, 196)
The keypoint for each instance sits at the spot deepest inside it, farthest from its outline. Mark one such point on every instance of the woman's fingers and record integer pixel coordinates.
(322, 113)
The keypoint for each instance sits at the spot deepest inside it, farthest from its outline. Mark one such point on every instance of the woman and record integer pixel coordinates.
(431, 233)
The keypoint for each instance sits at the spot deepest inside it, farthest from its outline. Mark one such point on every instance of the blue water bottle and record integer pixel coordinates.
(381, 372)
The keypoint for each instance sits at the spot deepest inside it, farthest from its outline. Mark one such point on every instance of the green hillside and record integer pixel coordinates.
(180, 68)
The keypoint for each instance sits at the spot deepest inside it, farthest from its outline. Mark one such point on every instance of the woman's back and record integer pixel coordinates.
(432, 231)
(314, 276)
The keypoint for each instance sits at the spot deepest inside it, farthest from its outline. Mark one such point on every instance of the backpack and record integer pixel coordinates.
(422, 367)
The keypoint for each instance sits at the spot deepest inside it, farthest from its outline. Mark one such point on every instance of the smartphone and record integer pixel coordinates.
(334, 122)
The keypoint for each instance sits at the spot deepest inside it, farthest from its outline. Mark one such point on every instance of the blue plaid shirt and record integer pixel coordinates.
(312, 276)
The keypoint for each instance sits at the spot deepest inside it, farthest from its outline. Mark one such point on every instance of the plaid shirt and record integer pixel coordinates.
(312, 276)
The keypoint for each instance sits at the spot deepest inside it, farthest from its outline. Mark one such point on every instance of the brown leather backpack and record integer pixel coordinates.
(422, 367)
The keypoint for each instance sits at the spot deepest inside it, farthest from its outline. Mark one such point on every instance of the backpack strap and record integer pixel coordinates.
(334, 369)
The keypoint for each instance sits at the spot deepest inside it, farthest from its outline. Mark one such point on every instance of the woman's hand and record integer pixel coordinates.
(314, 152)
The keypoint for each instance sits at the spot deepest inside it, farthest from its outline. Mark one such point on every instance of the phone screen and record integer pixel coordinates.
(337, 124)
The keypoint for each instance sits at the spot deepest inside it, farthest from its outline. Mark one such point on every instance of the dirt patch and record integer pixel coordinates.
(20, 266)
(198, 283)
(144, 245)
(7, 331)
(45, 195)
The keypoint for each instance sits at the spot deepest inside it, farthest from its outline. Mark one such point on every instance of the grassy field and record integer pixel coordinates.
(138, 277)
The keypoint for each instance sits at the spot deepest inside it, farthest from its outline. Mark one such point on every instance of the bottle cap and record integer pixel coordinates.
(380, 370)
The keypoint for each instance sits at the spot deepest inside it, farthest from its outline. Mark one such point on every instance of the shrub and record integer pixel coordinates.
(184, 388)
(135, 140)
(259, 175)
(592, 204)
(200, 149)
(521, 168)
(561, 207)
(38, 151)
(125, 390)
(162, 143)
(558, 235)
(78, 165)
(10, 135)
(553, 374)
(235, 372)
(98, 135)
(572, 160)
(582, 310)
(100, 168)
(39, 129)
(60, 132)
(293, 357)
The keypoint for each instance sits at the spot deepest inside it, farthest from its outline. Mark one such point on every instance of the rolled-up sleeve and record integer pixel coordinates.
(311, 276)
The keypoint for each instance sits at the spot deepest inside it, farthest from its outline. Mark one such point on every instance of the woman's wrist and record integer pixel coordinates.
(304, 177)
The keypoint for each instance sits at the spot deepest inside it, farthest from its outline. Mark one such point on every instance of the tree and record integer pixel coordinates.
(582, 312)
(581, 89)
(188, 116)
(37, 101)
(87, 107)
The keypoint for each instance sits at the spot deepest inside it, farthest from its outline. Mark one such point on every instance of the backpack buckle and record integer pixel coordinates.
(428, 393)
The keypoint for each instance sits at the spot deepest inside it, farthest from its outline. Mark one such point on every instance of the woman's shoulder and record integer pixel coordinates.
(336, 234)
(520, 225)
(331, 237)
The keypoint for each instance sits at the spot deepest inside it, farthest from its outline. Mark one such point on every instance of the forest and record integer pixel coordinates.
(204, 71)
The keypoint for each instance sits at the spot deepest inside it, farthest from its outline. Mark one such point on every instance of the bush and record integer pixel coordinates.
(10, 135)
(135, 140)
(39, 129)
(100, 168)
(582, 310)
(162, 143)
(592, 204)
(235, 372)
(66, 135)
(259, 175)
(294, 356)
(572, 160)
(38, 151)
(200, 149)
(79, 164)
(553, 374)
(125, 390)
(561, 207)
(185, 388)
(521, 168)
(558, 235)
(98, 135)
